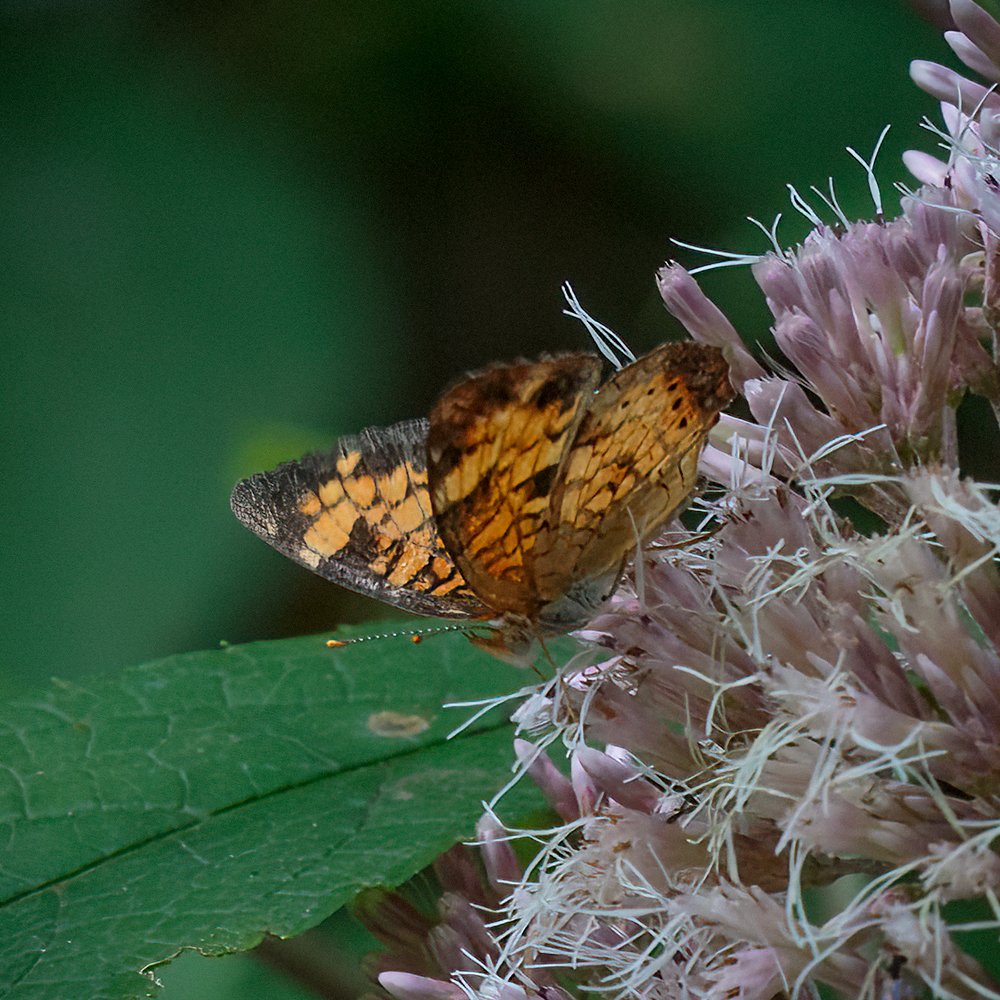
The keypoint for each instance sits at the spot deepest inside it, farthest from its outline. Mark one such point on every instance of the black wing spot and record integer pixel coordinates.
(361, 541)
(541, 481)
(497, 390)
(452, 455)
(682, 423)
(559, 388)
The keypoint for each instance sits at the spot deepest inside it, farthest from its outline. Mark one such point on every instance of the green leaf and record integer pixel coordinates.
(204, 800)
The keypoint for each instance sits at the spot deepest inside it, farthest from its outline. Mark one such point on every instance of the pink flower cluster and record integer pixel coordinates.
(798, 702)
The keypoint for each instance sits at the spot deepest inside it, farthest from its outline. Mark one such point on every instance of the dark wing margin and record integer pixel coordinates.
(360, 515)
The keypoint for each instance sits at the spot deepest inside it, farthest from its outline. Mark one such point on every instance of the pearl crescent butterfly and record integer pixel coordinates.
(518, 501)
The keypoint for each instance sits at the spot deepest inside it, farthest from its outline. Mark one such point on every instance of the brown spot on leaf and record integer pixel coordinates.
(395, 725)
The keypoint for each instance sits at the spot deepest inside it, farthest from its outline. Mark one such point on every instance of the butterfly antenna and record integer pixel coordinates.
(415, 635)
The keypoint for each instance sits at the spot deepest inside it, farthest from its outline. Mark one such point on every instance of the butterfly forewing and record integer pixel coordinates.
(632, 463)
(495, 447)
(360, 515)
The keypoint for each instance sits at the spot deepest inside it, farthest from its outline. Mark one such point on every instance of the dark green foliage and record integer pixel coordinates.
(203, 800)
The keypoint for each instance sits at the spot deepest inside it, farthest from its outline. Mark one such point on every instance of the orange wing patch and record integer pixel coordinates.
(393, 512)
(632, 464)
(495, 446)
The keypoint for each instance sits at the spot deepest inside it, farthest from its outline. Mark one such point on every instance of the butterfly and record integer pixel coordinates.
(517, 503)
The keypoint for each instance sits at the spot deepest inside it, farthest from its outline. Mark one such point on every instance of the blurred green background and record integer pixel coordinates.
(231, 233)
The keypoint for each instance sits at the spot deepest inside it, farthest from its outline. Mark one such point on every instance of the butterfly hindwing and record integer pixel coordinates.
(360, 515)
